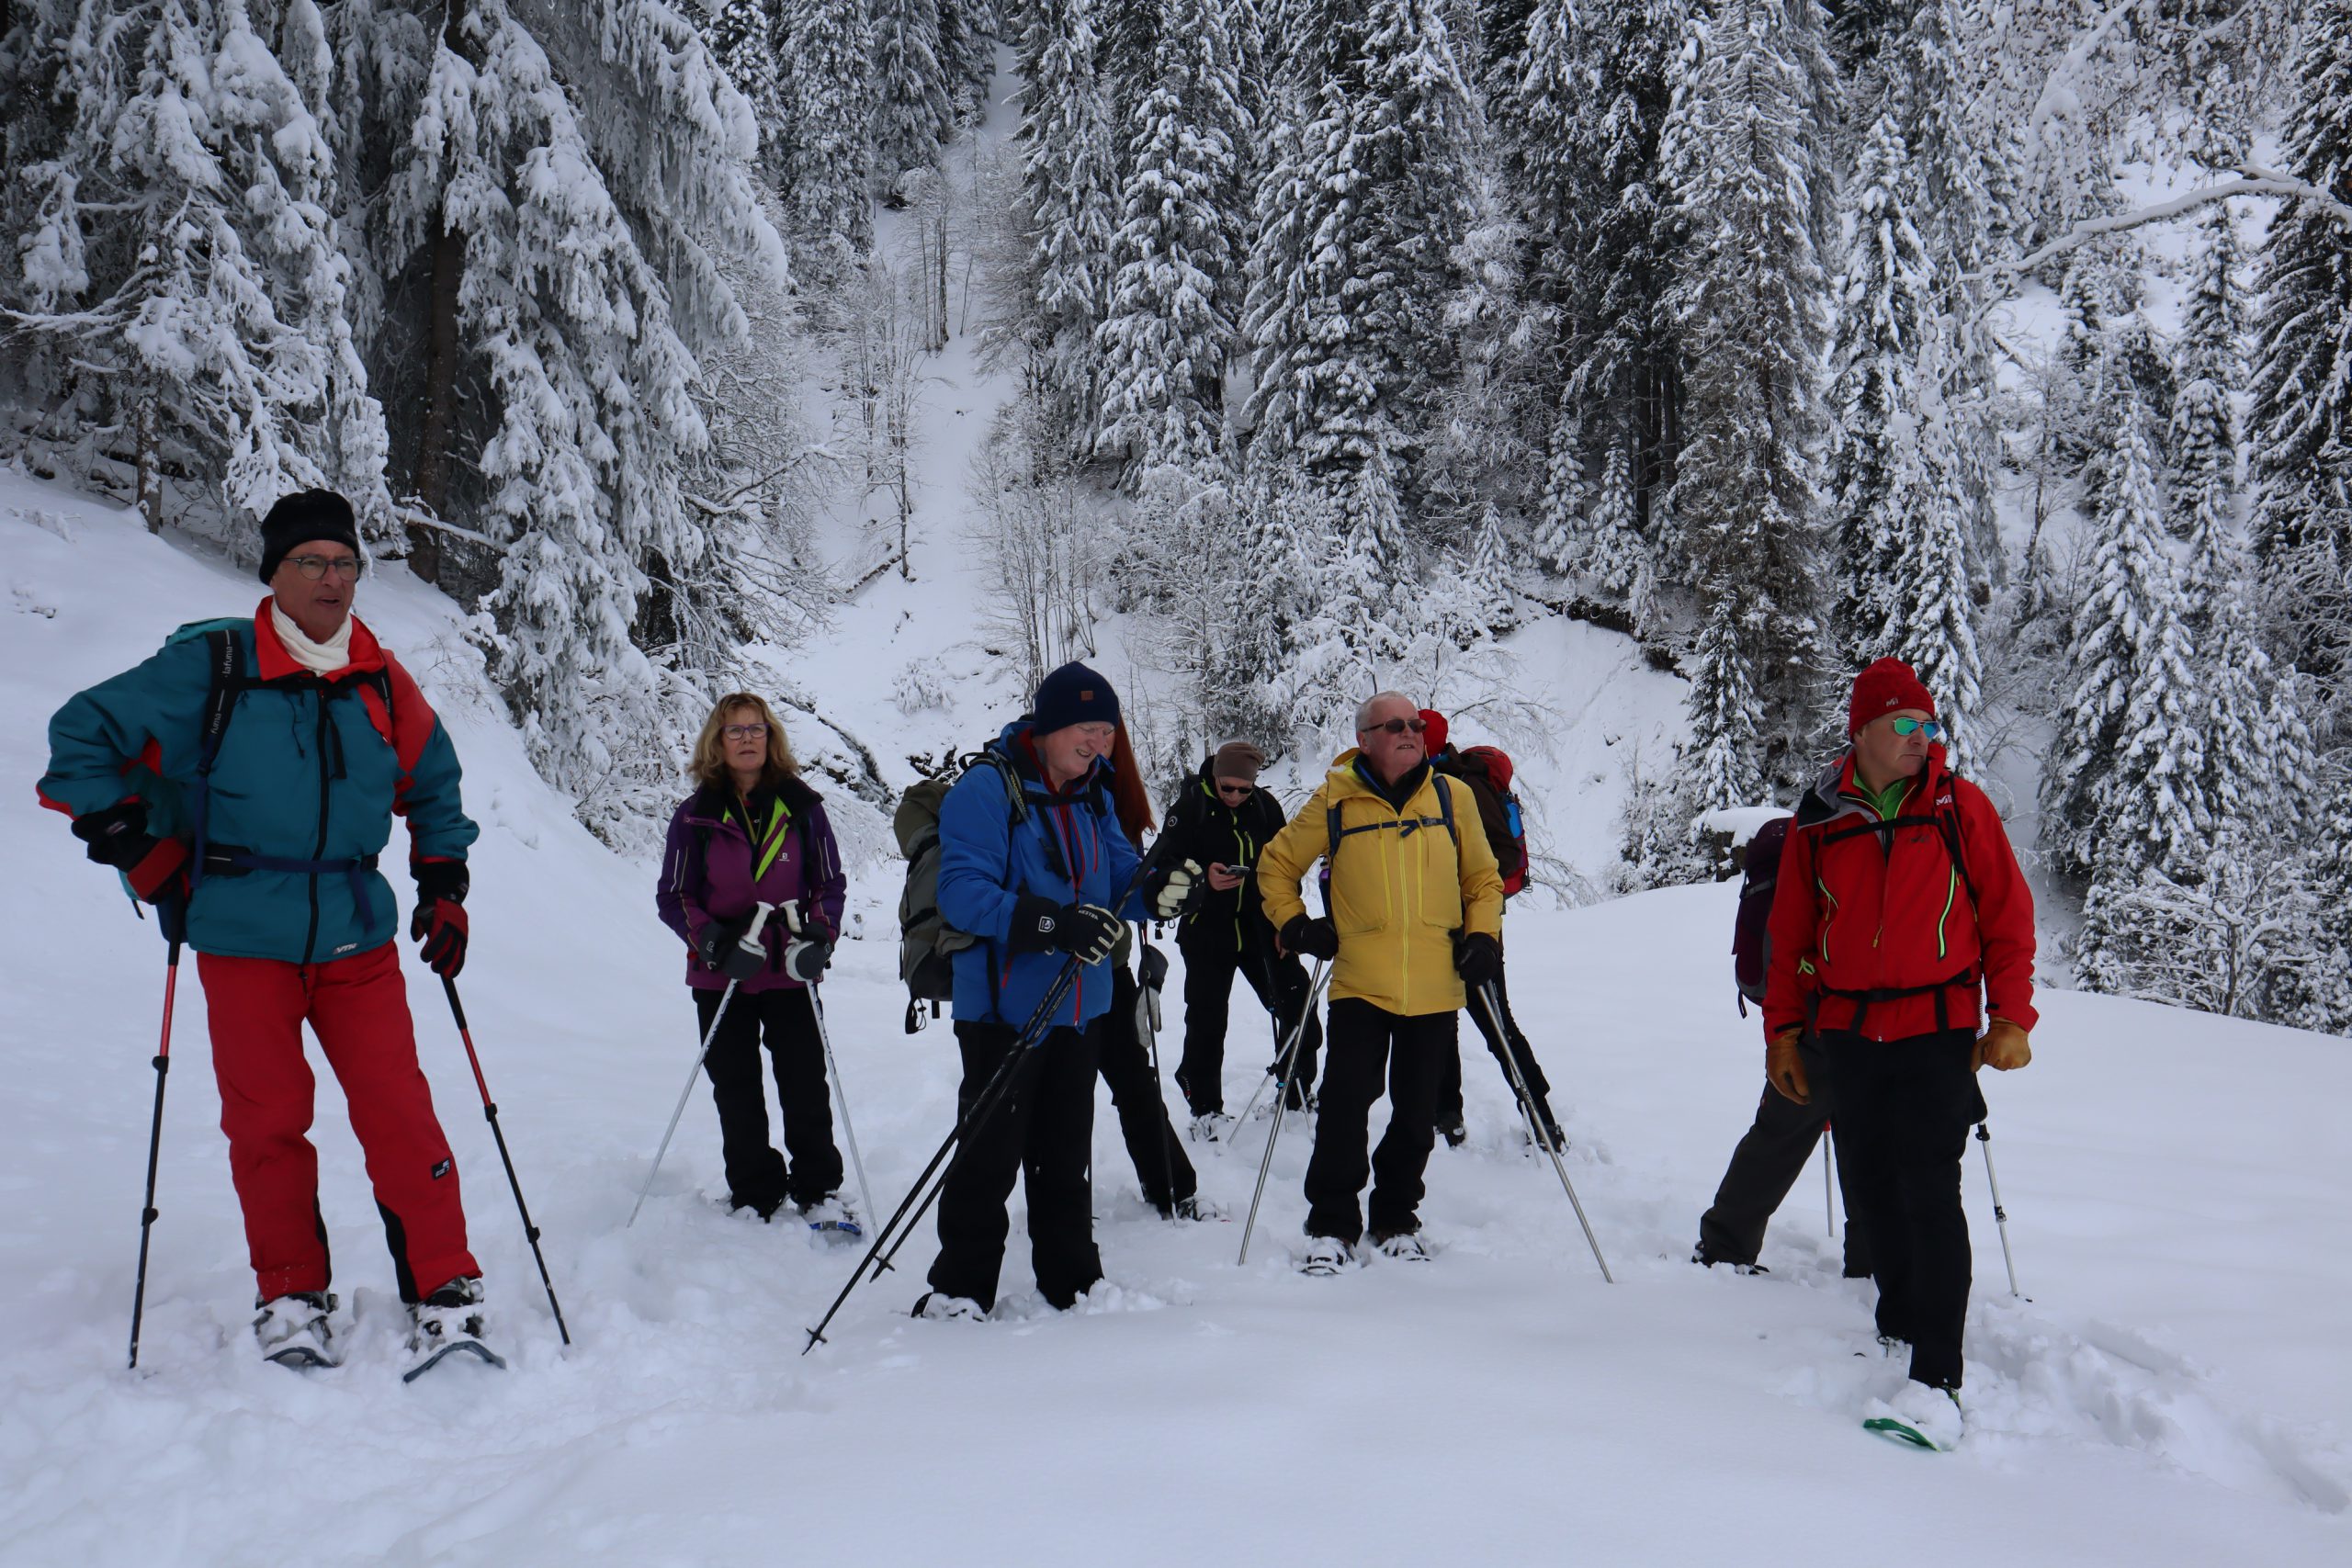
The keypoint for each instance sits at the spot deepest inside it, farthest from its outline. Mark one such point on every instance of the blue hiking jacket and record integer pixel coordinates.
(310, 769)
(1068, 849)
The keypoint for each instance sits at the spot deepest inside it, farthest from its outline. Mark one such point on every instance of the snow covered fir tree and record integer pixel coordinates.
(1310, 347)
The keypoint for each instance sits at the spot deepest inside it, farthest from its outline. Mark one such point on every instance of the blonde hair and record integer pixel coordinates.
(709, 764)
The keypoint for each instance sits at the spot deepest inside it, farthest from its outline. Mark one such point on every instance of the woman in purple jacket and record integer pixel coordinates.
(753, 833)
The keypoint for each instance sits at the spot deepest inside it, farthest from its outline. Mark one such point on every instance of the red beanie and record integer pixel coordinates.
(1888, 685)
(1432, 731)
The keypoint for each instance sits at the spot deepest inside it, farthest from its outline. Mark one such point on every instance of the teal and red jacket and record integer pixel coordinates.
(1885, 931)
(309, 772)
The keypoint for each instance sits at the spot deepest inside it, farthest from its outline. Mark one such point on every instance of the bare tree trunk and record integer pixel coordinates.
(151, 478)
(440, 400)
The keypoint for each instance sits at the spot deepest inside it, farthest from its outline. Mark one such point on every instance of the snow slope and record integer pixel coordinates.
(2178, 1194)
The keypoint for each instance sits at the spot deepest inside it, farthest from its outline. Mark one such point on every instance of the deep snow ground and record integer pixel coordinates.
(2173, 1394)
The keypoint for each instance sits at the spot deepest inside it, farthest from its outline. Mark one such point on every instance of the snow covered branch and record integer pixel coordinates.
(2254, 180)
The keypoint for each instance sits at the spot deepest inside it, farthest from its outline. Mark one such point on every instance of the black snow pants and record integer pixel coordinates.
(1902, 1110)
(1766, 1164)
(1368, 1046)
(1281, 984)
(1042, 1132)
(756, 1175)
(1449, 1089)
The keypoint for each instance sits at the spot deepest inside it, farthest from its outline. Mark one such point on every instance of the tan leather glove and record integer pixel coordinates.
(2004, 1048)
(1784, 1068)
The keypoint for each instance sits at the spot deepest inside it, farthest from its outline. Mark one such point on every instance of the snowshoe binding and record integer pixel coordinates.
(832, 1219)
(446, 1322)
(298, 1331)
(1406, 1247)
(942, 1308)
(1211, 1127)
(1326, 1256)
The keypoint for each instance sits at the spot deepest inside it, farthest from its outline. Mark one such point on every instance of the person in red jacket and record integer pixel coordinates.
(1902, 938)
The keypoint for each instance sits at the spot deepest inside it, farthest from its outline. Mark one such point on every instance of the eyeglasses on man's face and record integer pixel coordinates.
(345, 568)
(1396, 727)
(746, 732)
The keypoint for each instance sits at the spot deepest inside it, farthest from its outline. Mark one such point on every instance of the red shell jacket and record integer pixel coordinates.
(1855, 919)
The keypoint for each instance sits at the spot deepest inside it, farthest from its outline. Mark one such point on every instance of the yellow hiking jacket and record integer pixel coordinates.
(1399, 891)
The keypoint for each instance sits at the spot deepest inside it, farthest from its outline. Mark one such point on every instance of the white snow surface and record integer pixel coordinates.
(2181, 1207)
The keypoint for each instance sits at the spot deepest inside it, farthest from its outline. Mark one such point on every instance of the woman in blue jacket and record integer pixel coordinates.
(1050, 889)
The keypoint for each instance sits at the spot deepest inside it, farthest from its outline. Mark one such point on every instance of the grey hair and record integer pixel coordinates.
(1363, 709)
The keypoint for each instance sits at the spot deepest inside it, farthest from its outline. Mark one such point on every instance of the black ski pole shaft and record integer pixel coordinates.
(1032, 1033)
(1486, 995)
(154, 1147)
(2000, 1214)
(1289, 1057)
(490, 1114)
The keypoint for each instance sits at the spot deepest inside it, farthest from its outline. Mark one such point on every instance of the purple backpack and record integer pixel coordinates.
(1750, 936)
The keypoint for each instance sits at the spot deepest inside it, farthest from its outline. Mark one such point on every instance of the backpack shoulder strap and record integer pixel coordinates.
(221, 696)
(1445, 811)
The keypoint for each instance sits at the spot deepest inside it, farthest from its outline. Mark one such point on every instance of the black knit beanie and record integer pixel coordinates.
(299, 519)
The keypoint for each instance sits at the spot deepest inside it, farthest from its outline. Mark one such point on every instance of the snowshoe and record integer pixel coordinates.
(831, 1218)
(1704, 1261)
(1326, 1256)
(1406, 1247)
(446, 1322)
(1922, 1416)
(1211, 1127)
(295, 1330)
(1197, 1207)
(941, 1308)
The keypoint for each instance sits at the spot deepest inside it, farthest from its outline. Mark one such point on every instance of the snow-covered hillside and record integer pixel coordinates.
(2179, 1203)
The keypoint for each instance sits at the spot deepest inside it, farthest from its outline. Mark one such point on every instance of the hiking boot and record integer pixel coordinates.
(1193, 1206)
(1297, 1099)
(1698, 1256)
(1406, 1247)
(1453, 1130)
(1920, 1415)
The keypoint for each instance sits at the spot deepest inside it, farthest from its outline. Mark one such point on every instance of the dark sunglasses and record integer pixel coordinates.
(1397, 726)
(1235, 788)
(1926, 726)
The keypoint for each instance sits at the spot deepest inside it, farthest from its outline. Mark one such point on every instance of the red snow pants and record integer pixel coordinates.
(358, 1009)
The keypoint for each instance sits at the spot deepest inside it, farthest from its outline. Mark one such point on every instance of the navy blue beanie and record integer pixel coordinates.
(1072, 695)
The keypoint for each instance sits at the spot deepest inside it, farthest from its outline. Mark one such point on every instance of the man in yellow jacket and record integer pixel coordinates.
(1416, 910)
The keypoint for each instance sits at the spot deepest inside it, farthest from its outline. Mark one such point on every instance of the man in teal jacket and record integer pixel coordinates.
(243, 780)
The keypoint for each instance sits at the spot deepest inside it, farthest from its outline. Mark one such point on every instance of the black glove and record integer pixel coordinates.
(1175, 890)
(1477, 958)
(729, 947)
(1086, 931)
(1314, 936)
(117, 837)
(805, 959)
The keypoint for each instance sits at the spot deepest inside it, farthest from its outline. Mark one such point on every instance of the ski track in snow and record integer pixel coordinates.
(2169, 1397)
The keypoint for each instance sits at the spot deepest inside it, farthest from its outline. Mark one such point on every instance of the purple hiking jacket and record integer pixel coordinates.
(707, 875)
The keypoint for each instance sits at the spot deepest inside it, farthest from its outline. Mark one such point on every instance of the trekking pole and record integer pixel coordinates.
(1829, 1179)
(490, 1114)
(1289, 1057)
(1032, 1035)
(154, 1145)
(2000, 1215)
(1536, 1127)
(841, 1097)
(1154, 975)
(759, 922)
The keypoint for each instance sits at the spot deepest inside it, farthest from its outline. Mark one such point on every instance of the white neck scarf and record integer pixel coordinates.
(319, 658)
